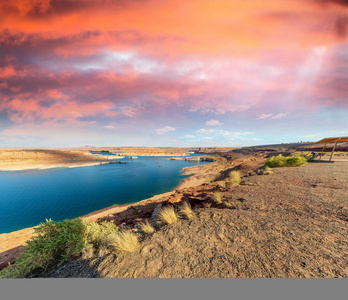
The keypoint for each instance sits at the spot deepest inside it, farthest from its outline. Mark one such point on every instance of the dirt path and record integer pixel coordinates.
(292, 224)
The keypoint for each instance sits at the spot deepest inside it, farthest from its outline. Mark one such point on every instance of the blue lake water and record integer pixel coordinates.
(28, 198)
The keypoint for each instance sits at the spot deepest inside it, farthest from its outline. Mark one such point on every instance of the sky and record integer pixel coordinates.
(198, 73)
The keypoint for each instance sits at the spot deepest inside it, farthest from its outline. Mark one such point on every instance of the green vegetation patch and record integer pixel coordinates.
(281, 161)
(57, 242)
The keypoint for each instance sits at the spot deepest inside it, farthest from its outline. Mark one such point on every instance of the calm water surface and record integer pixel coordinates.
(28, 198)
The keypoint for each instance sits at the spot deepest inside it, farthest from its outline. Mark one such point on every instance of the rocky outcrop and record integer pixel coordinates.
(156, 211)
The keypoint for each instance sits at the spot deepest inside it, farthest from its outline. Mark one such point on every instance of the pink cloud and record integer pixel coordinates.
(164, 130)
(213, 123)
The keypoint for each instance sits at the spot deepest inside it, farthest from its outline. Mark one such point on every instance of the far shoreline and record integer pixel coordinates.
(43, 159)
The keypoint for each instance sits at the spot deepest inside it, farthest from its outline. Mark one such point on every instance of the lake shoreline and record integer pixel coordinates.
(12, 242)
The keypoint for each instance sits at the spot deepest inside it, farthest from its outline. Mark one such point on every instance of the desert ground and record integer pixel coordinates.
(292, 223)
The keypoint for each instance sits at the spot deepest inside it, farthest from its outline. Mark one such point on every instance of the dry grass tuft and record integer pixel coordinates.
(167, 215)
(146, 227)
(221, 184)
(265, 171)
(228, 204)
(97, 234)
(217, 197)
(186, 210)
(248, 183)
(102, 251)
(88, 253)
(235, 177)
(124, 242)
(207, 204)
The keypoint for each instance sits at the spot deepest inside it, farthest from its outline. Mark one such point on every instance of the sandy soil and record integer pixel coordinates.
(292, 223)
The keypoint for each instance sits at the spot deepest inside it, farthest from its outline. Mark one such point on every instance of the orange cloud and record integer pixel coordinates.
(172, 28)
(7, 71)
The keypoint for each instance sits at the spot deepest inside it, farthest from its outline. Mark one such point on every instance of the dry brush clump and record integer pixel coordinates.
(235, 178)
(207, 204)
(97, 234)
(217, 197)
(221, 184)
(228, 204)
(146, 227)
(167, 215)
(186, 211)
(265, 171)
(247, 183)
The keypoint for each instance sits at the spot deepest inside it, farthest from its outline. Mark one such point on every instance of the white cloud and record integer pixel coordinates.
(225, 133)
(187, 136)
(213, 123)
(243, 133)
(264, 116)
(164, 129)
(272, 116)
(279, 116)
(205, 131)
(109, 127)
(92, 122)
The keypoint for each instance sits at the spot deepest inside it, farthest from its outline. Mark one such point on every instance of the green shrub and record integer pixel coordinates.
(57, 242)
(295, 161)
(54, 242)
(281, 161)
(306, 154)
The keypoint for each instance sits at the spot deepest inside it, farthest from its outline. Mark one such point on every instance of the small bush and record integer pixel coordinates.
(124, 242)
(167, 215)
(235, 177)
(146, 227)
(217, 197)
(186, 210)
(295, 161)
(281, 161)
(57, 242)
(54, 242)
